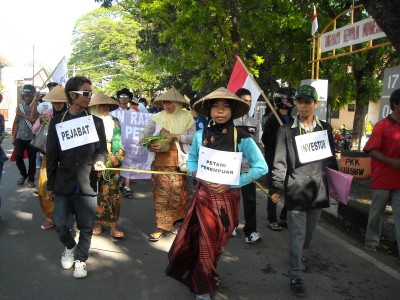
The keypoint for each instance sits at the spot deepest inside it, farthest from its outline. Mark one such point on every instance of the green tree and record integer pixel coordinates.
(105, 50)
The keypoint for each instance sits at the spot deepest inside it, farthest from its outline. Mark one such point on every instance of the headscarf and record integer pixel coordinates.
(221, 136)
(113, 133)
(178, 121)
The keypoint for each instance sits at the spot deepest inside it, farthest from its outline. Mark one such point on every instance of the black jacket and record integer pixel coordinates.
(66, 169)
(304, 186)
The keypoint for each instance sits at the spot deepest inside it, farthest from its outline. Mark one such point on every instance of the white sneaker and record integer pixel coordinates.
(254, 237)
(80, 269)
(67, 259)
(234, 232)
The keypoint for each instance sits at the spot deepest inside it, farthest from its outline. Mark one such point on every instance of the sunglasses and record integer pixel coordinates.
(84, 93)
(124, 97)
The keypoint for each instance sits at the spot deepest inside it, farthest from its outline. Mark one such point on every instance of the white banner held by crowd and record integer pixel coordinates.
(136, 156)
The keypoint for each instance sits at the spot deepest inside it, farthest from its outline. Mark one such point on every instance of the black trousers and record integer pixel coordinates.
(249, 207)
(20, 147)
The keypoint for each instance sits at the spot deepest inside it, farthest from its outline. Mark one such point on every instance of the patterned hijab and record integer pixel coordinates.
(177, 122)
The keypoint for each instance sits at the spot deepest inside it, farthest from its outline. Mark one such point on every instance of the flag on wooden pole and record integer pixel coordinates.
(241, 78)
(60, 73)
(314, 27)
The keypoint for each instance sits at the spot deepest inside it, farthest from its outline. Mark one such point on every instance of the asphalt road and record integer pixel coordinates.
(133, 268)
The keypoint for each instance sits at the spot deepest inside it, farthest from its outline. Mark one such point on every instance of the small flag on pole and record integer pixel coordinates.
(241, 78)
(314, 27)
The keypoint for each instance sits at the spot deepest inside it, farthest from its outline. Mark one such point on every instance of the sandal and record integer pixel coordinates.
(275, 226)
(156, 236)
(21, 181)
(203, 297)
(370, 248)
(116, 233)
(283, 223)
(98, 229)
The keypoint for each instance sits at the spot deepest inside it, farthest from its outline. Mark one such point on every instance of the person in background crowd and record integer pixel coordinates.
(23, 135)
(176, 124)
(248, 191)
(384, 148)
(72, 173)
(283, 100)
(58, 100)
(52, 85)
(143, 105)
(109, 197)
(3, 156)
(302, 181)
(124, 98)
(201, 123)
(214, 211)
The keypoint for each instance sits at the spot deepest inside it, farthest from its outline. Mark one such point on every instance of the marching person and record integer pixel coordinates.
(214, 211)
(109, 197)
(248, 191)
(23, 135)
(283, 100)
(300, 177)
(177, 124)
(76, 149)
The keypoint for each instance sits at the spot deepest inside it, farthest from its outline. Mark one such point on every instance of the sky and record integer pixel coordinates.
(39, 30)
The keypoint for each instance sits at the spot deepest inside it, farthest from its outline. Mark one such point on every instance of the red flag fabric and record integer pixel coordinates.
(240, 78)
(314, 26)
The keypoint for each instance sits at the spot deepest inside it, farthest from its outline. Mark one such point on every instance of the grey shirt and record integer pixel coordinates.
(24, 132)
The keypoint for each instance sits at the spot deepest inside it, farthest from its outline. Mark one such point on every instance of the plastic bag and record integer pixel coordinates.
(39, 141)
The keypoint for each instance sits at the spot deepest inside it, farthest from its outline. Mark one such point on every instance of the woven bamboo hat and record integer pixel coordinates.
(171, 95)
(240, 107)
(57, 94)
(103, 99)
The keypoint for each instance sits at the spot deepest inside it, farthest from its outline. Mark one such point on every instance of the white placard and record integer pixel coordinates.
(77, 132)
(313, 146)
(219, 166)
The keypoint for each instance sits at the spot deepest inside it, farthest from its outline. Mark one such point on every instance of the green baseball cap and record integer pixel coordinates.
(307, 92)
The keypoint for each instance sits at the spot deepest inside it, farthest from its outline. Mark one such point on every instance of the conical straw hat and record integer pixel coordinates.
(171, 95)
(240, 107)
(57, 94)
(101, 98)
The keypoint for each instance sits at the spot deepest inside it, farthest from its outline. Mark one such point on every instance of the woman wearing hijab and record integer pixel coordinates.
(214, 211)
(58, 100)
(109, 198)
(170, 191)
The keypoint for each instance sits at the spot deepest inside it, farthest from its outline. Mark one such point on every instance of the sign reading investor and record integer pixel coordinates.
(76, 132)
(217, 166)
(313, 146)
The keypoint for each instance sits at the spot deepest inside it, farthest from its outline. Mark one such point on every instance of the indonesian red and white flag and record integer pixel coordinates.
(240, 78)
(314, 27)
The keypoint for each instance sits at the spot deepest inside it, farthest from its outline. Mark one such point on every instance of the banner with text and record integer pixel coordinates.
(219, 166)
(359, 32)
(136, 156)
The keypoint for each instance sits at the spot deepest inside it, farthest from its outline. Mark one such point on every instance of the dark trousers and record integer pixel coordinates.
(84, 209)
(249, 207)
(20, 147)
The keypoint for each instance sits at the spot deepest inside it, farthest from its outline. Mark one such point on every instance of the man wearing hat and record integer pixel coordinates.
(299, 176)
(23, 135)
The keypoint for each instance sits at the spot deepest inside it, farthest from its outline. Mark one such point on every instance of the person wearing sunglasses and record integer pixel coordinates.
(124, 98)
(72, 172)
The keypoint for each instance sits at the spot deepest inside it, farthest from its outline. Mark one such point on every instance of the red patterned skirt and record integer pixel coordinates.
(205, 231)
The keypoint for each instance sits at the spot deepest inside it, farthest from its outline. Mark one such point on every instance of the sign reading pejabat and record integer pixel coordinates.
(313, 146)
(76, 132)
(359, 32)
(217, 166)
